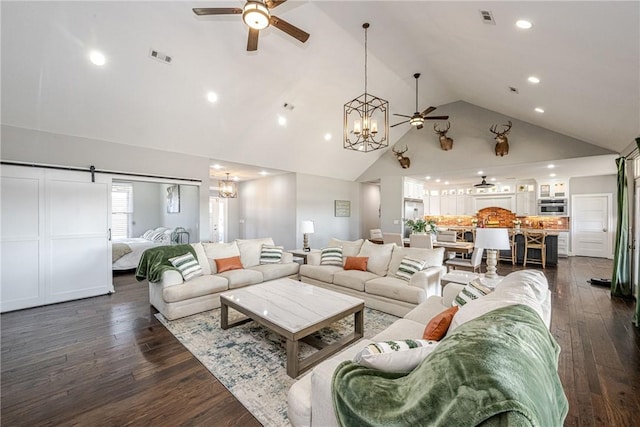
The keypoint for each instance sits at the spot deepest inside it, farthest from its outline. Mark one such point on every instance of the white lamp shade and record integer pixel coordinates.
(492, 238)
(306, 227)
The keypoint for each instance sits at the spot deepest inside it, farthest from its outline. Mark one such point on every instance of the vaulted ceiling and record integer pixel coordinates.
(586, 54)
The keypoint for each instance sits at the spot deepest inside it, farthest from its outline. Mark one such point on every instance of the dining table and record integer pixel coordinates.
(460, 246)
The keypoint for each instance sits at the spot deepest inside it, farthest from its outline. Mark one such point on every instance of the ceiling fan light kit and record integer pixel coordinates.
(366, 118)
(256, 15)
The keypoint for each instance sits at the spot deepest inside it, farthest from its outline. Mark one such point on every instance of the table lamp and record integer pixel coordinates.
(493, 240)
(306, 228)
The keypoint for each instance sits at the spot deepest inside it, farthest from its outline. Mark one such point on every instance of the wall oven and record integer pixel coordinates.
(552, 207)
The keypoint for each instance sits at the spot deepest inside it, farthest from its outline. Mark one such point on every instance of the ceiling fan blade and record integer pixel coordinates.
(427, 111)
(273, 3)
(437, 118)
(292, 30)
(217, 11)
(252, 41)
(401, 123)
(401, 115)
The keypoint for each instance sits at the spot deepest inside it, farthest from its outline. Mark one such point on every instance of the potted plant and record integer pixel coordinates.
(517, 223)
(421, 226)
(474, 222)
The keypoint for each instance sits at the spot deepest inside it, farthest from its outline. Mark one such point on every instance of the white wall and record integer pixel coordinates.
(27, 145)
(392, 204)
(146, 207)
(189, 209)
(315, 201)
(369, 208)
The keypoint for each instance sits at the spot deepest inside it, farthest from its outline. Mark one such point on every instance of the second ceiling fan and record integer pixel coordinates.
(256, 15)
(418, 118)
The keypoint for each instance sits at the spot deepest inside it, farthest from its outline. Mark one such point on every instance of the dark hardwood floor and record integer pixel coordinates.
(108, 361)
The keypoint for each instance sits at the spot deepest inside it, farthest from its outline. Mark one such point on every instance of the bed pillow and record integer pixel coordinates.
(395, 356)
(437, 327)
(331, 256)
(356, 263)
(187, 266)
(271, 254)
(226, 264)
(147, 234)
(408, 267)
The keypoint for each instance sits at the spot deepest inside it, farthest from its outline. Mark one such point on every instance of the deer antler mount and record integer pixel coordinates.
(502, 142)
(446, 143)
(405, 162)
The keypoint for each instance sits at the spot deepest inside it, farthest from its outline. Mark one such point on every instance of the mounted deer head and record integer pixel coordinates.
(405, 162)
(502, 142)
(446, 143)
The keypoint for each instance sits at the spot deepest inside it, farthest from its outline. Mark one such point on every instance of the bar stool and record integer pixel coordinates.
(535, 240)
(460, 235)
(512, 256)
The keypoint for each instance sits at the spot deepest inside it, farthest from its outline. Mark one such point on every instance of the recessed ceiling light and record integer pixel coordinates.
(493, 179)
(552, 175)
(438, 180)
(427, 177)
(212, 97)
(217, 166)
(524, 24)
(480, 172)
(446, 183)
(97, 58)
(551, 166)
(235, 178)
(539, 110)
(533, 79)
(264, 173)
(327, 137)
(282, 121)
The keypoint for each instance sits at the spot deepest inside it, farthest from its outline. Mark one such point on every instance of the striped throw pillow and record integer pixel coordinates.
(187, 266)
(408, 267)
(473, 290)
(331, 256)
(271, 254)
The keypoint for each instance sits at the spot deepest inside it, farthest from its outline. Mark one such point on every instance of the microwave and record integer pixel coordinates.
(552, 207)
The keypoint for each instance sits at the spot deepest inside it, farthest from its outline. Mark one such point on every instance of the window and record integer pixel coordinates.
(121, 209)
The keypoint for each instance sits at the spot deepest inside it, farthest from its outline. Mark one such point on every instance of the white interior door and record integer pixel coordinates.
(591, 225)
(78, 220)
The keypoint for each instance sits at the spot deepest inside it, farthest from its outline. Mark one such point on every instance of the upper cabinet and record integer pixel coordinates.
(553, 188)
(526, 198)
(413, 189)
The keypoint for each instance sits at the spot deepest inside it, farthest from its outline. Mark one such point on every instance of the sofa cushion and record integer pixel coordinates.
(356, 263)
(250, 250)
(348, 248)
(196, 287)
(276, 271)
(395, 356)
(270, 254)
(240, 278)
(438, 326)
(424, 312)
(401, 329)
(352, 279)
(431, 257)
(201, 256)
(219, 250)
(408, 267)
(323, 273)
(226, 264)
(187, 265)
(396, 289)
(331, 256)
(379, 256)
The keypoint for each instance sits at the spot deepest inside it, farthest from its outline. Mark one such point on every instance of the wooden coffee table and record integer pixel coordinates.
(295, 310)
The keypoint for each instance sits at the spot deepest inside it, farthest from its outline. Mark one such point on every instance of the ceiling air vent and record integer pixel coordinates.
(513, 89)
(487, 17)
(162, 57)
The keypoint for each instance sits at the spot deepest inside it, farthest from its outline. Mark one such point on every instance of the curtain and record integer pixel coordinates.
(621, 280)
(636, 316)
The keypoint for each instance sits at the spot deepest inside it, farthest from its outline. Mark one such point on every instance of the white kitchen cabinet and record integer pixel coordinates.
(563, 244)
(434, 204)
(413, 189)
(526, 203)
(500, 201)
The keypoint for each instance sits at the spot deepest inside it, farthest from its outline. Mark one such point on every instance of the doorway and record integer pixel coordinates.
(591, 225)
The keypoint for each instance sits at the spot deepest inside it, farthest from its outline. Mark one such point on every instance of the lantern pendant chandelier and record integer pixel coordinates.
(366, 118)
(227, 189)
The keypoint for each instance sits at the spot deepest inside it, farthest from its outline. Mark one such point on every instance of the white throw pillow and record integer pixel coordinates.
(187, 266)
(348, 248)
(408, 267)
(331, 256)
(379, 256)
(219, 250)
(271, 254)
(395, 356)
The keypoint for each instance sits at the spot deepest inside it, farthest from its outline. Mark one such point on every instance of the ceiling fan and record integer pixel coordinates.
(418, 118)
(256, 15)
(484, 183)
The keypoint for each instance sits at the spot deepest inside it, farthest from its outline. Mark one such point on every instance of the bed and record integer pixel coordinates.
(126, 253)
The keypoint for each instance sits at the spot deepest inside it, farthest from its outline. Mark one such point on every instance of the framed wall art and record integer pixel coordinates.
(173, 199)
(342, 207)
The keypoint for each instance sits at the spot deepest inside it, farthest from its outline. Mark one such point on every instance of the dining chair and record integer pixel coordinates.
(474, 264)
(393, 238)
(375, 234)
(420, 241)
(511, 254)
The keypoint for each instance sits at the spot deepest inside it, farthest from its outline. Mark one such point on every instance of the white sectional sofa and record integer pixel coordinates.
(310, 399)
(379, 286)
(175, 298)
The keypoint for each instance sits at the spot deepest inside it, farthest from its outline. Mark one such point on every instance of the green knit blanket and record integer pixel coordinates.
(155, 261)
(499, 369)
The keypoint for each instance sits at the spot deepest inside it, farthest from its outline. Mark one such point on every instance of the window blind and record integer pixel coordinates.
(121, 209)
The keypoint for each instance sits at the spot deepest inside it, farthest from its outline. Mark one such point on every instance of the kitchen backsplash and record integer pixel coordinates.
(501, 218)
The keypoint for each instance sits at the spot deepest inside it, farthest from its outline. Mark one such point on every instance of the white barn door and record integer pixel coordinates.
(591, 225)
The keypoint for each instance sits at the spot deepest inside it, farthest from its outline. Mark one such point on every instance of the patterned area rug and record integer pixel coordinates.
(250, 360)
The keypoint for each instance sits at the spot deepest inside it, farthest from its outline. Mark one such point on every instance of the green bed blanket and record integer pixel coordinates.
(499, 369)
(155, 261)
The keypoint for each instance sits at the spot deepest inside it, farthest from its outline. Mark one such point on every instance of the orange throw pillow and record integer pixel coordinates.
(356, 263)
(226, 264)
(437, 327)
